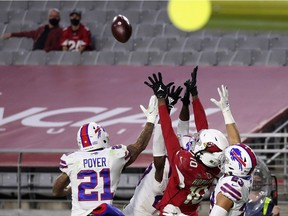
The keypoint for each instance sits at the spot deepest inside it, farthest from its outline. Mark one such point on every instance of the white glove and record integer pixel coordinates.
(223, 104)
(152, 110)
(171, 210)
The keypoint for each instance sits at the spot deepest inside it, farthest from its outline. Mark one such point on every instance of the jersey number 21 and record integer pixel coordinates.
(94, 181)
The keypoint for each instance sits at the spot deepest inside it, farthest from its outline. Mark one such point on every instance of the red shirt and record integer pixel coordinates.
(52, 41)
(190, 179)
(199, 115)
(75, 39)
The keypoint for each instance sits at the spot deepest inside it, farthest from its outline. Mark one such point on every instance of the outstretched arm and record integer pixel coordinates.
(223, 104)
(198, 110)
(159, 150)
(161, 92)
(171, 140)
(142, 141)
(159, 153)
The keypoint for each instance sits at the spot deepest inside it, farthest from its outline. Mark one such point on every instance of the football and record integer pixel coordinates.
(121, 28)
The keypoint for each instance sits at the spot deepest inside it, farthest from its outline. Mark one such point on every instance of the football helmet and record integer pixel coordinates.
(238, 160)
(92, 136)
(207, 145)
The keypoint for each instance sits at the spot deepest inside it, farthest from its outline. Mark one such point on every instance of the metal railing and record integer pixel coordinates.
(274, 151)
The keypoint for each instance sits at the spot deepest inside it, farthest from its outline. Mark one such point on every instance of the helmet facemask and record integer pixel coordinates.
(207, 146)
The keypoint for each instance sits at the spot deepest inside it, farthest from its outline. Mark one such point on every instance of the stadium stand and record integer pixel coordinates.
(6, 58)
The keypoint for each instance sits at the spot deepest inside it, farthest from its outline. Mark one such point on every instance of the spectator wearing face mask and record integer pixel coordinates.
(76, 37)
(46, 37)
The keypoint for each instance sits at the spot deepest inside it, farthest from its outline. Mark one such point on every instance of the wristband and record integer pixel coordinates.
(228, 117)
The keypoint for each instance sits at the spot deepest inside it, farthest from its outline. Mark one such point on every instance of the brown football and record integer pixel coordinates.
(121, 28)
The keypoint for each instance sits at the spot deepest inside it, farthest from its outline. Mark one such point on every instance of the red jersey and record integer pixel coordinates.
(190, 179)
(52, 41)
(75, 39)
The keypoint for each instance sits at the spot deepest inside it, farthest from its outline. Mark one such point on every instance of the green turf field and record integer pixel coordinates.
(250, 15)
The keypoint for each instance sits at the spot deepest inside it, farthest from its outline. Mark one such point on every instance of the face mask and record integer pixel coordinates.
(54, 22)
(75, 22)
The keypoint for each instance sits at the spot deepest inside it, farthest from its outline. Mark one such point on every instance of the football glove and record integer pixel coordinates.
(191, 84)
(160, 90)
(224, 105)
(186, 98)
(171, 210)
(173, 96)
(152, 110)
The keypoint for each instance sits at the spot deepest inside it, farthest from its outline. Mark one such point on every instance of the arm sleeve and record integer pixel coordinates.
(29, 34)
(158, 142)
(64, 162)
(120, 151)
(182, 128)
(218, 211)
(199, 115)
(170, 138)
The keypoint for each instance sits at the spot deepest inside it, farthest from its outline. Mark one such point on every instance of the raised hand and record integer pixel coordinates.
(152, 110)
(223, 102)
(160, 90)
(191, 84)
(224, 105)
(173, 96)
(186, 98)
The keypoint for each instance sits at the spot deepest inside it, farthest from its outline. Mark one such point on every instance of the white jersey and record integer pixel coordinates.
(94, 176)
(147, 193)
(236, 189)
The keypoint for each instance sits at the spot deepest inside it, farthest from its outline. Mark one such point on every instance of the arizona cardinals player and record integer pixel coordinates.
(94, 171)
(232, 190)
(150, 189)
(193, 169)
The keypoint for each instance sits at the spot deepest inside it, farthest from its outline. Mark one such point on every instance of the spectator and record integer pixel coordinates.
(46, 37)
(76, 37)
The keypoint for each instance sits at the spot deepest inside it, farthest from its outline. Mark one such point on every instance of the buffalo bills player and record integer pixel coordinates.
(193, 169)
(232, 190)
(94, 171)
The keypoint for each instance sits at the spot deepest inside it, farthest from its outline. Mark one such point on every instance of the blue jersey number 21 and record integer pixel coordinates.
(93, 195)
